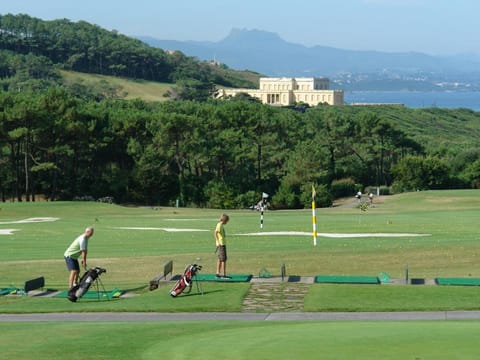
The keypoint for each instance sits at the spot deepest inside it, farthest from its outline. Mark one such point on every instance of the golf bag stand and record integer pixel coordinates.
(88, 278)
(186, 281)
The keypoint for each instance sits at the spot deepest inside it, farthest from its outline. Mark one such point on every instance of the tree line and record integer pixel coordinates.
(209, 154)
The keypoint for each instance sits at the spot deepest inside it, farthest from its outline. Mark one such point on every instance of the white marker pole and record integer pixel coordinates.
(261, 217)
(262, 207)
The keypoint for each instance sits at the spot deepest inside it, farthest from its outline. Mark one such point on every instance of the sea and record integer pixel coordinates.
(417, 99)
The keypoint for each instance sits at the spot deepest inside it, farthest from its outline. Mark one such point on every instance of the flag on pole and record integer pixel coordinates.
(314, 216)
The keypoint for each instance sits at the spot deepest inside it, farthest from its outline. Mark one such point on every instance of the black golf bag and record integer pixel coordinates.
(186, 280)
(84, 284)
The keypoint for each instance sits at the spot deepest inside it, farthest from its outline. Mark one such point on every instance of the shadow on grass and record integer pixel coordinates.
(184, 294)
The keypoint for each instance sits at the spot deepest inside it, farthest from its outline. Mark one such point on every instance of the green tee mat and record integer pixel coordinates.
(264, 273)
(92, 294)
(233, 278)
(6, 291)
(384, 278)
(458, 281)
(346, 279)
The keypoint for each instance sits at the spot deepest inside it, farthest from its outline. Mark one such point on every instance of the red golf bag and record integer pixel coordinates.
(84, 284)
(186, 280)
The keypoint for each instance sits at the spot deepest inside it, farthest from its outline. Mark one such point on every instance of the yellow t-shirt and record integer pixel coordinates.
(220, 234)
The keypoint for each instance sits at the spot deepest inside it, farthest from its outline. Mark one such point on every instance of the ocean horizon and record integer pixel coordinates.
(417, 99)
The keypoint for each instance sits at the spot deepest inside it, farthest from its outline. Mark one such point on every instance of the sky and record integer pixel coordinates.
(436, 27)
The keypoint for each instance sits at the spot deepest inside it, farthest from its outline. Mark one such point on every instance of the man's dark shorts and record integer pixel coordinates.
(72, 264)
(222, 252)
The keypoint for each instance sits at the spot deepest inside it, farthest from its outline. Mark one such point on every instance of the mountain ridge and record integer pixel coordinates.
(267, 53)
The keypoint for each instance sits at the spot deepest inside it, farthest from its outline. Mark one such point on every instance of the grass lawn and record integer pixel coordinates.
(242, 340)
(133, 243)
(391, 298)
(129, 88)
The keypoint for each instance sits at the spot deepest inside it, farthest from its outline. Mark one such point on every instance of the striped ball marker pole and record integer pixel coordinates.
(263, 203)
(261, 217)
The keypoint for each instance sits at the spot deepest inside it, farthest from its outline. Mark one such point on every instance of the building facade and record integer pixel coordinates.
(288, 91)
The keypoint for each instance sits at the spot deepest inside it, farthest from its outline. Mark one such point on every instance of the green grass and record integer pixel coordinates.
(133, 257)
(216, 297)
(242, 340)
(228, 298)
(132, 89)
(391, 298)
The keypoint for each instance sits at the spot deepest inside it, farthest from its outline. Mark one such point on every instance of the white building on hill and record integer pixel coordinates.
(287, 91)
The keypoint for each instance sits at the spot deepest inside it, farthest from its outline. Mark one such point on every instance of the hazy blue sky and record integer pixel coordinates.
(430, 26)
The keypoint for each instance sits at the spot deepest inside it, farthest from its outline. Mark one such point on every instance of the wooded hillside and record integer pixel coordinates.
(72, 141)
(84, 47)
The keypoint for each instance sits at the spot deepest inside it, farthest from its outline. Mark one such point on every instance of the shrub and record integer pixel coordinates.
(323, 197)
(385, 190)
(219, 195)
(285, 198)
(247, 199)
(343, 188)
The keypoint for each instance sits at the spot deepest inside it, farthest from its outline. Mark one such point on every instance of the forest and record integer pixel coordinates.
(69, 142)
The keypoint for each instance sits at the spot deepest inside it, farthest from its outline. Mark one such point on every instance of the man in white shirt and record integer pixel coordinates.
(76, 249)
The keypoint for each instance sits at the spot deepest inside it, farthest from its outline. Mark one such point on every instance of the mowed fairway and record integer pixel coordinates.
(434, 233)
(242, 340)
(133, 243)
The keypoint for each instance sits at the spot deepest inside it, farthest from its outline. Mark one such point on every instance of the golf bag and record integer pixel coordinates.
(186, 280)
(87, 279)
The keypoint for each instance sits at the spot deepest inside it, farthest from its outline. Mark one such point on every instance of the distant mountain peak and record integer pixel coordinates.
(252, 36)
(268, 54)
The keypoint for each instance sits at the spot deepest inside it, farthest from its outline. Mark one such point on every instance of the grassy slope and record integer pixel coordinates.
(434, 128)
(145, 90)
(150, 90)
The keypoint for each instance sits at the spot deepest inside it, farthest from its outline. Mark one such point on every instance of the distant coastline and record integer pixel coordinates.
(417, 99)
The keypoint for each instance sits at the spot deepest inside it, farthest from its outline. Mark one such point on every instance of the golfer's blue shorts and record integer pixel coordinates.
(72, 264)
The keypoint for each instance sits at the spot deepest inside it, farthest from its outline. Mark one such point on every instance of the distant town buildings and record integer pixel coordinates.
(288, 91)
